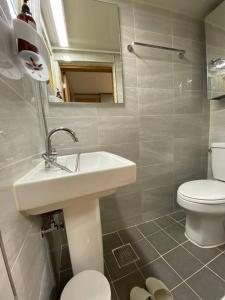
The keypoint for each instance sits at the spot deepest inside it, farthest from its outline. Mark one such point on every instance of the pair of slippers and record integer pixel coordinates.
(156, 290)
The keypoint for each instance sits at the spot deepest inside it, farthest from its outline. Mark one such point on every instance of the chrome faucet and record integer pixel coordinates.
(51, 155)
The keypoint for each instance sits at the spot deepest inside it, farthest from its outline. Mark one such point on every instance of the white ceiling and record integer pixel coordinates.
(194, 8)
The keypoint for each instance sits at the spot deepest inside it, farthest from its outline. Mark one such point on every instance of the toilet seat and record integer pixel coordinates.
(87, 285)
(209, 192)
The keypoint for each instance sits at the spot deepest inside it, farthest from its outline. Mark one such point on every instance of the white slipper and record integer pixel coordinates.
(138, 293)
(158, 289)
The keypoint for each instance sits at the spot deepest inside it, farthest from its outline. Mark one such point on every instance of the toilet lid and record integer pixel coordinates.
(87, 285)
(203, 191)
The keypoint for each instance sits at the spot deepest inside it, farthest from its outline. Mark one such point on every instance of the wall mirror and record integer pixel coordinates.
(83, 38)
(215, 50)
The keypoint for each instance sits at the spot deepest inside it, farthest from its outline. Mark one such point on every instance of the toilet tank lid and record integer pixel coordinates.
(218, 145)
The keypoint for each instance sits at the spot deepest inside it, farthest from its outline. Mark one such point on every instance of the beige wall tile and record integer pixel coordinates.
(156, 176)
(118, 130)
(153, 101)
(189, 125)
(86, 129)
(21, 142)
(156, 126)
(129, 72)
(6, 291)
(152, 18)
(157, 200)
(152, 73)
(187, 27)
(156, 151)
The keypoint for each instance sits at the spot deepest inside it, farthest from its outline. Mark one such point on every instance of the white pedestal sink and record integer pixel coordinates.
(43, 190)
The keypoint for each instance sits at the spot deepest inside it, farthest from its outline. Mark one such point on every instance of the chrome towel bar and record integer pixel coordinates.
(130, 48)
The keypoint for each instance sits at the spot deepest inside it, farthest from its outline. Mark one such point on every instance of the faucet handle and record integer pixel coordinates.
(53, 155)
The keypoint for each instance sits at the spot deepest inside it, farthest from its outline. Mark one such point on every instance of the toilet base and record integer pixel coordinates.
(205, 230)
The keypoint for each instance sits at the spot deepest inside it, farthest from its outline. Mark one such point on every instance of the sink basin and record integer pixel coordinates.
(43, 190)
(99, 174)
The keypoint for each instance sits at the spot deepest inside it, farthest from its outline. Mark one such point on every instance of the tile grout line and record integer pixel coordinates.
(162, 229)
(137, 267)
(215, 273)
(120, 237)
(170, 236)
(185, 283)
(178, 243)
(204, 265)
(146, 239)
(115, 291)
(167, 215)
(117, 279)
(160, 256)
(111, 282)
(182, 280)
(105, 265)
(128, 274)
(26, 236)
(197, 271)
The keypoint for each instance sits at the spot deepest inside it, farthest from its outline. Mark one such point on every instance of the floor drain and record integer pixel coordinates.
(125, 255)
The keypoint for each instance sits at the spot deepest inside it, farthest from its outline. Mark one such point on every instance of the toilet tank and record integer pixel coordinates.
(218, 160)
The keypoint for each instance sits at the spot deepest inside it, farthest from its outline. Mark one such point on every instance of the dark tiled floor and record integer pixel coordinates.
(164, 221)
(218, 266)
(184, 292)
(207, 285)
(176, 231)
(111, 241)
(183, 262)
(148, 228)
(162, 242)
(130, 235)
(160, 269)
(204, 255)
(190, 272)
(178, 215)
(145, 252)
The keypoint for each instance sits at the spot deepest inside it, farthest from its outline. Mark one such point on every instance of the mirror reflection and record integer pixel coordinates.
(215, 49)
(83, 38)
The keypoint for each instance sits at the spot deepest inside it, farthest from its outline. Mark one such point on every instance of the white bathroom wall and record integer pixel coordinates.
(21, 142)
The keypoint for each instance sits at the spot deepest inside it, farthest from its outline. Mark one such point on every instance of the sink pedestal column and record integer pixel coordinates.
(84, 233)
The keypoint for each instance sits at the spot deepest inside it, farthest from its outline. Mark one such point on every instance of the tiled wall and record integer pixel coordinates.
(163, 125)
(21, 142)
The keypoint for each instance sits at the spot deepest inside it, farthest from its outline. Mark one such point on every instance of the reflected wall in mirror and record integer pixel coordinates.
(215, 50)
(83, 38)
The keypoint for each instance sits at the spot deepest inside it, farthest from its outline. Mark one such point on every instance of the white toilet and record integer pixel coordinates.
(204, 202)
(87, 285)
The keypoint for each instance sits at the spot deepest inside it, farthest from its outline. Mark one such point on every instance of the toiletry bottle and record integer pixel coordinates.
(26, 16)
